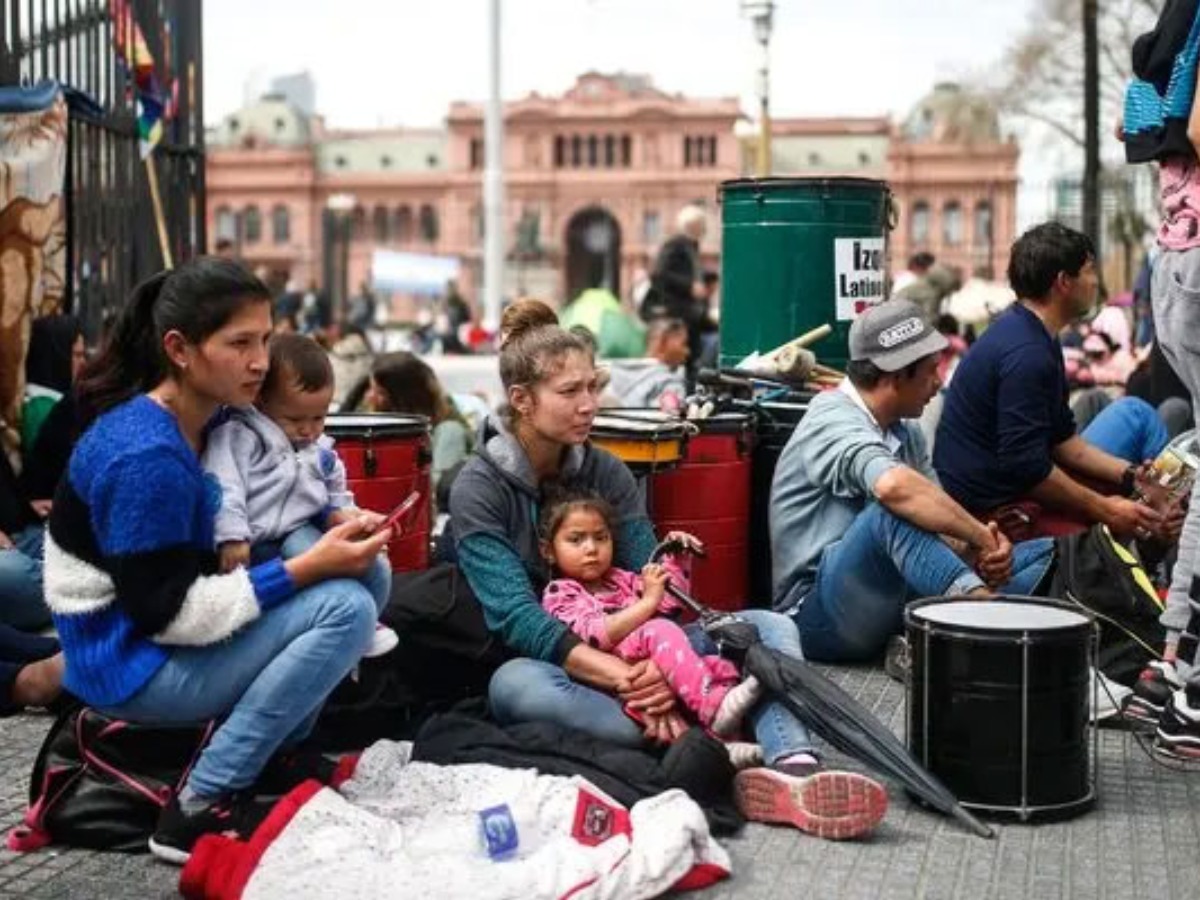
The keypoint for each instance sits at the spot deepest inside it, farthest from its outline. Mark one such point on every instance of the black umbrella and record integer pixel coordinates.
(822, 705)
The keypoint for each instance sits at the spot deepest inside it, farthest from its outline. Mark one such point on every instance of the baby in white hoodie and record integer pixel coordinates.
(281, 482)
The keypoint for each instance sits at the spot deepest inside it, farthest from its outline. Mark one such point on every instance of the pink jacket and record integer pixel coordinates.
(569, 601)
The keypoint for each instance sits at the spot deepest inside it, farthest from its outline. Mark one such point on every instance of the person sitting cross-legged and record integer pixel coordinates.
(859, 525)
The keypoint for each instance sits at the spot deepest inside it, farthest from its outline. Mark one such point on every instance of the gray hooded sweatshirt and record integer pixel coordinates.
(268, 487)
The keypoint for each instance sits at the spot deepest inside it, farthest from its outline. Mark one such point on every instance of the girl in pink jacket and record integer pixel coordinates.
(618, 611)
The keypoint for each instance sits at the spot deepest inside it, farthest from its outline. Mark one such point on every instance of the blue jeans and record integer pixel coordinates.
(22, 604)
(526, 690)
(267, 683)
(1130, 429)
(864, 581)
(377, 580)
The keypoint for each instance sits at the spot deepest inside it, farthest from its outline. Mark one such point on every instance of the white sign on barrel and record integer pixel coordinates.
(858, 275)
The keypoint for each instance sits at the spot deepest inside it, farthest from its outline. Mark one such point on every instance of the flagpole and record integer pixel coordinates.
(159, 219)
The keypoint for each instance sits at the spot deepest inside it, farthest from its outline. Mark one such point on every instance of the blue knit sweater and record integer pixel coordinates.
(130, 569)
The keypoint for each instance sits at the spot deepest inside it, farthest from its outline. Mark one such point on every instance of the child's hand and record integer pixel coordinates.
(654, 580)
(689, 542)
(232, 554)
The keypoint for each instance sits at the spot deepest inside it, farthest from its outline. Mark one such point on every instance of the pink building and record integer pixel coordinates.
(594, 180)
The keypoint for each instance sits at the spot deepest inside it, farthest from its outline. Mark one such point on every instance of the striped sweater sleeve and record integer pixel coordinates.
(145, 511)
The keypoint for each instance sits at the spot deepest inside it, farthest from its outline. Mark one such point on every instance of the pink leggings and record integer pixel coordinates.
(701, 682)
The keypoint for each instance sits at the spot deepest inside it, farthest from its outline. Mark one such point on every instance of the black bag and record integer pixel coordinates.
(1099, 574)
(101, 783)
(446, 654)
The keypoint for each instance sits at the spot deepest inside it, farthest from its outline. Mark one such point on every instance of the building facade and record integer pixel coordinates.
(594, 180)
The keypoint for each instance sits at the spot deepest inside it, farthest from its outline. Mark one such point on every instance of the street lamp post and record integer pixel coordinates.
(341, 212)
(761, 13)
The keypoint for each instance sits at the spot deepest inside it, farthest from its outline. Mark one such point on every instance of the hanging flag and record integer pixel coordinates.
(134, 54)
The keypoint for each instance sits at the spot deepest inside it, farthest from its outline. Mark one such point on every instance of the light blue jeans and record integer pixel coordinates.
(22, 604)
(267, 683)
(377, 580)
(1130, 429)
(883, 562)
(527, 690)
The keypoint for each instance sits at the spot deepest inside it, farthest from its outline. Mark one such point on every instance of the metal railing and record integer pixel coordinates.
(112, 241)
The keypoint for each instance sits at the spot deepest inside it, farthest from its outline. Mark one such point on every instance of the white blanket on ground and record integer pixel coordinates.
(412, 829)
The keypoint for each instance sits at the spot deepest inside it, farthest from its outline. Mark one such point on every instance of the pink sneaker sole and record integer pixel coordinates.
(831, 805)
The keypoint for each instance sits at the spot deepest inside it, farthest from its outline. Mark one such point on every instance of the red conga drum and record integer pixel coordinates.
(708, 495)
(387, 457)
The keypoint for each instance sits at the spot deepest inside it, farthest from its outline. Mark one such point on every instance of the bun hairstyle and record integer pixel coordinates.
(524, 315)
(197, 300)
(533, 346)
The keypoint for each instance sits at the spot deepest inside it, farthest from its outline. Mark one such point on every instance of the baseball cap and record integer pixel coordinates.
(894, 334)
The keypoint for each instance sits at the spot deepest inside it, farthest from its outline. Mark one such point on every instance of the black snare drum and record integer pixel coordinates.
(998, 703)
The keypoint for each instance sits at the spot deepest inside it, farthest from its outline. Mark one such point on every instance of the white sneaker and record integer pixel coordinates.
(735, 706)
(744, 755)
(383, 641)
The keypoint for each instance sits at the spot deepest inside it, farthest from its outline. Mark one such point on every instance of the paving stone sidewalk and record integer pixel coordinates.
(1142, 842)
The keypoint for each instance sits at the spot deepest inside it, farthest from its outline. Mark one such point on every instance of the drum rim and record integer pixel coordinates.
(367, 424)
(911, 620)
(669, 426)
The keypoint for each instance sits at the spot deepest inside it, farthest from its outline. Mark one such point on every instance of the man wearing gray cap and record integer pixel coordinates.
(859, 525)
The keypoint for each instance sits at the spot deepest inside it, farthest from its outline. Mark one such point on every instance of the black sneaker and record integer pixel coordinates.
(1153, 688)
(177, 832)
(288, 769)
(1178, 732)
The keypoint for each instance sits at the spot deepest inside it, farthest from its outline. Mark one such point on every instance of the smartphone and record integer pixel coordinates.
(399, 517)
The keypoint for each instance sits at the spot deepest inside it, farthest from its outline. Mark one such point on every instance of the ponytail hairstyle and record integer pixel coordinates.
(197, 300)
(533, 347)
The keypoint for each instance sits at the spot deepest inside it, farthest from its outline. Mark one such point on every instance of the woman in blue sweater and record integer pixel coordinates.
(540, 441)
(150, 631)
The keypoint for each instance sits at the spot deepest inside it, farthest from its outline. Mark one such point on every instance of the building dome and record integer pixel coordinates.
(271, 121)
(951, 114)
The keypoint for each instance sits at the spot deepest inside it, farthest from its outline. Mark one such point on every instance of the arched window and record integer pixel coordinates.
(626, 150)
(360, 224)
(593, 151)
(952, 224)
(983, 223)
(281, 224)
(687, 152)
(610, 151)
(402, 226)
(380, 225)
(427, 222)
(252, 225)
(226, 224)
(918, 225)
(576, 151)
(560, 152)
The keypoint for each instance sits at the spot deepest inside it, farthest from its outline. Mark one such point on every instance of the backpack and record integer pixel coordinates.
(100, 782)
(1100, 575)
(446, 654)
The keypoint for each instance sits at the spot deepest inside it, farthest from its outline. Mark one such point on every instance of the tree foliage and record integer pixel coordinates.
(1040, 77)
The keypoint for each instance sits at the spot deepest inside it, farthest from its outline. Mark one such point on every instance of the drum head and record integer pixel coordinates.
(385, 424)
(637, 423)
(997, 615)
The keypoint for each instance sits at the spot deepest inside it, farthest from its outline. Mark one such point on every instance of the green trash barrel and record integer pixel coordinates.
(797, 253)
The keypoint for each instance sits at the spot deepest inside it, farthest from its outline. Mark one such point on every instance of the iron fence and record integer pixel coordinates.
(112, 236)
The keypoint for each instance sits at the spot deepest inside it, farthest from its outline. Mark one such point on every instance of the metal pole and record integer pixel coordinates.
(764, 113)
(1091, 117)
(493, 178)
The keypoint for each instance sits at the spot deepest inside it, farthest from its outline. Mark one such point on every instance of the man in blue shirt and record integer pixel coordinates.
(1007, 433)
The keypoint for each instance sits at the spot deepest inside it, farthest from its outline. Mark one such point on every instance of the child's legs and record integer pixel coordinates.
(377, 579)
(701, 682)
